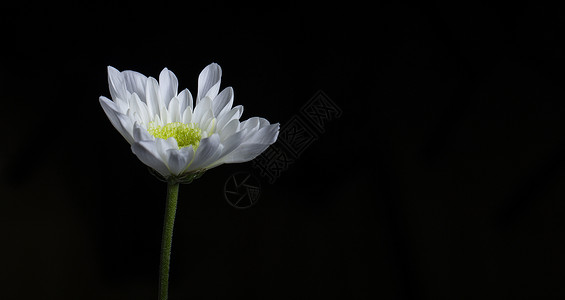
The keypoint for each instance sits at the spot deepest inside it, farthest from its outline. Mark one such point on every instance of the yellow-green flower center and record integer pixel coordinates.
(185, 134)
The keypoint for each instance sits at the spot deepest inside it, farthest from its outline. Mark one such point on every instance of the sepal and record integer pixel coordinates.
(184, 178)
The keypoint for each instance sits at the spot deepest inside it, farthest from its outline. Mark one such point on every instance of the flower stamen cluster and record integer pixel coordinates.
(184, 134)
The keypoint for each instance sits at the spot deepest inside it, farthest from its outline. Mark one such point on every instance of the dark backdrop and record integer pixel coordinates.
(443, 178)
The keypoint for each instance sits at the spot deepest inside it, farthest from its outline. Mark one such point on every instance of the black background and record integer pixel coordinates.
(444, 178)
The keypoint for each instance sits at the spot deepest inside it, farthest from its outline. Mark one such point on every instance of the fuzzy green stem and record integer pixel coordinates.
(167, 239)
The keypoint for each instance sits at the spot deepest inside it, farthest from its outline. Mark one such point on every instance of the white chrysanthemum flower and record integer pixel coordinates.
(175, 138)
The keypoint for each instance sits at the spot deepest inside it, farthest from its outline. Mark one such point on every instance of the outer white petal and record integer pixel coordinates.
(122, 105)
(233, 114)
(201, 109)
(255, 144)
(208, 151)
(140, 133)
(219, 162)
(152, 97)
(135, 83)
(140, 108)
(163, 147)
(134, 117)
(223, 102)
(185, 98)
(265, 135)
(120, 121)
(179, 159)
(111, 111)
(229, 145)
(251, 123)
(244, 153)
(229, 129)
(167, 144)
(147, 152)
(208, 124)
(116, 84)
(263, 122)
(168, 85)
(127, 124)
(209, 82)
(233, 142)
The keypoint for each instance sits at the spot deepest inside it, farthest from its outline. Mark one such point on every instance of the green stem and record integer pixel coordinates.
(168, 224)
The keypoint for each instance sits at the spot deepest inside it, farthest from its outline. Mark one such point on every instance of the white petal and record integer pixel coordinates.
(208, 151)
(201, 110)
(223, 102)
(206, 123)
(163, 147)
(135, 117)
(174, 110)
(111, 111)
(265, 135)
(229, 129)
(211, 160)
(164, 113)
(209, 82)
(152, 97)
(122, 105)
(229, 145)
(263, 122)
(146, 151)
(140, 133)
(187, 116)
(179, 159)
(170, 143)
(232, 142)
(185, 98)
(251, 124)
(127, 124)
(120, 121)
(135, 83)
(168, 85)
(140, 107)
(116, 84)
(254, 144)
(215, 164)
(244, 153)
(208, 126)
(158, 120)
(233, 114)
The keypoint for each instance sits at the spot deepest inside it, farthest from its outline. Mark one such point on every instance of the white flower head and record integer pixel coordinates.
(175, 136)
